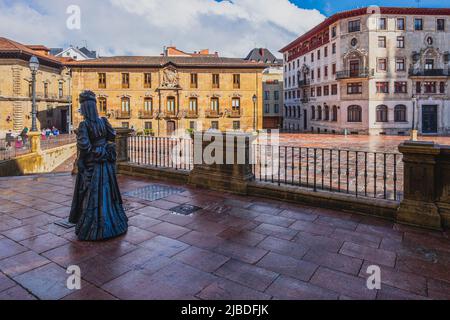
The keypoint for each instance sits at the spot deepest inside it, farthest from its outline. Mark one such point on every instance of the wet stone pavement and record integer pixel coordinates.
(232, 248)
(352, 142)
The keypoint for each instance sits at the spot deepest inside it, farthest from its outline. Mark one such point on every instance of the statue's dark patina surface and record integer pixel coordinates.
(97, 208)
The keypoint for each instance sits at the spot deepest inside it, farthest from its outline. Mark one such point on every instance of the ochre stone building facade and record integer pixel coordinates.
(163, 94)
(52, 88)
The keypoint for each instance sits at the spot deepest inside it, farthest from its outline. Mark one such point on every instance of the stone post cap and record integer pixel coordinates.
(123, 131)
(422, 147)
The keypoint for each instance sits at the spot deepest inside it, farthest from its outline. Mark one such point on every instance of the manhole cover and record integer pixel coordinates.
(65, 224)
(185, 209)
(153, 192)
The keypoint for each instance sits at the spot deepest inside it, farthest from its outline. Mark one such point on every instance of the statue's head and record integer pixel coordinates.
(88, 102)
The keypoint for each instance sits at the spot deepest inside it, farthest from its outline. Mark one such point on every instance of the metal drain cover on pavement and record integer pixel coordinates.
(185, 209)
(153, 192)
(65, 224)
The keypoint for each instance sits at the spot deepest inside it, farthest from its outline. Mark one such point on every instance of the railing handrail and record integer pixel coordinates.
(328, 149)
(429, 72)
(356, 73)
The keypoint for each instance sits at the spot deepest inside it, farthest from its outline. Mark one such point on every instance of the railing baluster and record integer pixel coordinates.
(157, 139)
(144, 139)
(292, 165)
(348, 172)
(331, 170)
(272, 163)
(135, 150)
(323, 166)
(339, 170)
(285, 165)
(253, 160)
(279, 164)
(140, 150)
(260, 162)
(365, 174)
(385, 177)
(307, 167)
(375, 174)
(356, 173)
(395, 177)
(300, 166)
(315, 169)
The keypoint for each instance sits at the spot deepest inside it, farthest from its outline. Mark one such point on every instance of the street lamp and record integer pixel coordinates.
(413, 129)
(34, 67)
(255, 99)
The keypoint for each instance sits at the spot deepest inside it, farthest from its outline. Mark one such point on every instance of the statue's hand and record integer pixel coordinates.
(99, 152)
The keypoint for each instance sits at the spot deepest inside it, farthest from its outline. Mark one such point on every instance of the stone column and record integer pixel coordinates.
(223, 164)
(35, 141)
(419, 206)
(443, 192)
(122, 135)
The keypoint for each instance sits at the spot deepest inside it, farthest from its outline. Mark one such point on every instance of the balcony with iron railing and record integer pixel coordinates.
(429, 72)
(191, 114)
(236, 113)
(121, 114)
(145, 114)
(354, 73)
(170, 114)
(304, 82)
(212, 114)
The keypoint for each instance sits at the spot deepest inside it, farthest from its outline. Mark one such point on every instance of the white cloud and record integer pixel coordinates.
(143, 27)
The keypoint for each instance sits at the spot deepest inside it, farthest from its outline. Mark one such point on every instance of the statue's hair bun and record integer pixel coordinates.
(87, 95)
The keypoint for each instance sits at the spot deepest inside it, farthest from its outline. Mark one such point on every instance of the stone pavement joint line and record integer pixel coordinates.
(231, 247)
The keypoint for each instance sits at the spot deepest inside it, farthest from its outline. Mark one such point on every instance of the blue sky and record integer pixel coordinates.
(328, 7)
(143, 27)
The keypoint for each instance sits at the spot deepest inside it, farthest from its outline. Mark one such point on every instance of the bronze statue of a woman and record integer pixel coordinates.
(97, 208)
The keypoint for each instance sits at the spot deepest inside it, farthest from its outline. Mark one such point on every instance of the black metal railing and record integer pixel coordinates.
(161, 152)
(429, 72)
(304, 82)
(358, 173)
(355, 73)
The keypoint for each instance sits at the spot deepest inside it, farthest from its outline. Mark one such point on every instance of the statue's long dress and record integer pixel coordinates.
(97, 208)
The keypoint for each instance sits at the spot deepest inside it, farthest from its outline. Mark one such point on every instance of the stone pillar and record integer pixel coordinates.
(421, 188)
(223, 164)
(35, 141)
(122, 135)
(443, 191)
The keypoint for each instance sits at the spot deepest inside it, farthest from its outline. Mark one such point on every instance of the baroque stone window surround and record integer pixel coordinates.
(429, 53)
(354, 54)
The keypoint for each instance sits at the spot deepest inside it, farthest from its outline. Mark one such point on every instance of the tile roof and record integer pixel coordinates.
(359, 12)
(159, 61)
(13, 47)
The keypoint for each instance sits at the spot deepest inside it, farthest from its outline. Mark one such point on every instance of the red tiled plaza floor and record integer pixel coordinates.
(234, 248)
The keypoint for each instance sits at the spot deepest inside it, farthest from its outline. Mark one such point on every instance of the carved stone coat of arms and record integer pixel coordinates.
(170, 78)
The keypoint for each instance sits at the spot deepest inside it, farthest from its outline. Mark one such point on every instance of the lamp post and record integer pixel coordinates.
(34, 67)
(255, 99)
(413, 129)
